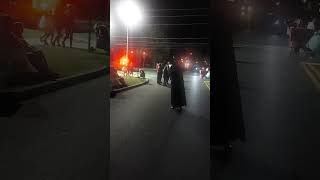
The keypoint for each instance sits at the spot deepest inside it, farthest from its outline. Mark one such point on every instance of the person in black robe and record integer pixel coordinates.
(159, 73)
(166, 74)
(227, 123)
(178, 97)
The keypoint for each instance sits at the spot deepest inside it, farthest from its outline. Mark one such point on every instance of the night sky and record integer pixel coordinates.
(156, 12)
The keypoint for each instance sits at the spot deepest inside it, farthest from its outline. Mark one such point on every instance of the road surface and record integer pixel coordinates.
(151, 141)
(58, 136)
(281, 112)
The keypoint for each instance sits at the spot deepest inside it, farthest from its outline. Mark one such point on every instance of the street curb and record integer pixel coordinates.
(115, 91)
(24, 93)
(312, 75)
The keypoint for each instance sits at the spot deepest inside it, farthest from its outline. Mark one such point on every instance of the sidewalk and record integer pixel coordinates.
(80, 40)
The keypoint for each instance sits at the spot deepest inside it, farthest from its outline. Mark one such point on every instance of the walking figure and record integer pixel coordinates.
(59, 20)
(68, 24)
(166, 74)
(178, 97)
(48, 28)
(159, 73)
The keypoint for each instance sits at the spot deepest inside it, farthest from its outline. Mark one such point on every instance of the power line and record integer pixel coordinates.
(190, 9)
(180, 16)
(160, 38)
(156, 43)
(191, 24)
(163, 46)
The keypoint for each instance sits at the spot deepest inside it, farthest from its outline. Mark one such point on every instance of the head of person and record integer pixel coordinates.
(17, 29)
(69, 6)
(5, 24)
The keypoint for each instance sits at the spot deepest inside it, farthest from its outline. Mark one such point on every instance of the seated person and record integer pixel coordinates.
(142, 74)
(14, 59)
(35, 56)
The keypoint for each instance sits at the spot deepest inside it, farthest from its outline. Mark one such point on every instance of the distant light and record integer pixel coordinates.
(278, 3)
(131, 52)
(130, 13)
(243, 8)
(243, 13)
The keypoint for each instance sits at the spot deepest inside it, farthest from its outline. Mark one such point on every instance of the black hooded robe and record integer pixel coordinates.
(178, 96)
(226, 119)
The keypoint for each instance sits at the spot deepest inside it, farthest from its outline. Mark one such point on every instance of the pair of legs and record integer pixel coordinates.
(159, 78)
(44, 38)
(68, 35)
(59, 35)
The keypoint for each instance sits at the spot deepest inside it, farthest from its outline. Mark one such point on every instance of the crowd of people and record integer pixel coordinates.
(173, 72)
(305, 35)
(57, 26)
(20, 62)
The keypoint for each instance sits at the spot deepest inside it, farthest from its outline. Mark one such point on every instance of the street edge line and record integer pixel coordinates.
(130, 87)
(316, 72)
(311, 76)
(206, 84)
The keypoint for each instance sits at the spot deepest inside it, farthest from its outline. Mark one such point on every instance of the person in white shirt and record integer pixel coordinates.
(311, 25)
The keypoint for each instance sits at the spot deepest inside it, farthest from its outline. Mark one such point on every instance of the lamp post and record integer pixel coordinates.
(144, 57)
(130, 13)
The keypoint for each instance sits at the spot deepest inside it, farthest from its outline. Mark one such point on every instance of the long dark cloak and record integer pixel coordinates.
(178, 96)
(226, 119)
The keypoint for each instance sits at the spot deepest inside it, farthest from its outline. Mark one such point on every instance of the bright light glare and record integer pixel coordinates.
(130, 13)
(124, 61)
(112, 27)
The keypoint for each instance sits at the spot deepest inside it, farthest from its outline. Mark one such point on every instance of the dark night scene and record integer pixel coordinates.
(265, 89)
(54, 61)
(160, 100)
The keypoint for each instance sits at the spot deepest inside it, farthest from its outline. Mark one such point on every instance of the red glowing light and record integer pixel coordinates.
(124, 61)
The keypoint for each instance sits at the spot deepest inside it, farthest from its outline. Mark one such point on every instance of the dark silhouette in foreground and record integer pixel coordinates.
(226, 120)
(178, 96)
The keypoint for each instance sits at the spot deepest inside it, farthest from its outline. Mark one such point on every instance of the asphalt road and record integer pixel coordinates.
(151, 141)
(58, 136)
(281, 111)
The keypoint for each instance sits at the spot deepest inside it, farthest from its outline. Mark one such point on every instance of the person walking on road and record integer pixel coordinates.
(43, 26)
(48, 29)
(68, 23)
(58, 24)
(178, 96)
(227, 123)
(159, 73)
(166, 74)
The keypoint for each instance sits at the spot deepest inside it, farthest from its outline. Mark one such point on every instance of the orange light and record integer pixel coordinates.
(124, 61)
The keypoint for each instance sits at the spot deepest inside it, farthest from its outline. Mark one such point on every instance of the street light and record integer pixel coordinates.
(144, 57)
(130, 13)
